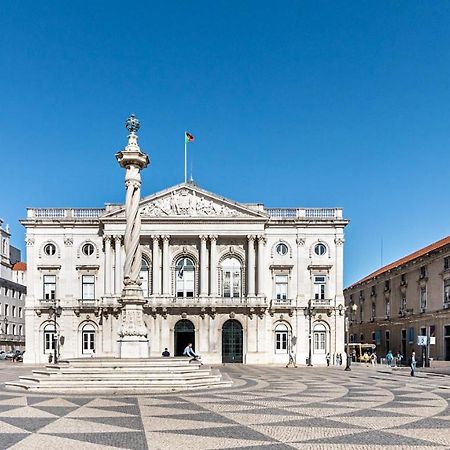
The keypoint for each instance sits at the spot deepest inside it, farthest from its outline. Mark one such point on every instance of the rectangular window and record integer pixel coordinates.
(13, 311)
(411, 335)
(88, 287)
(361, 338)
(447, 292)
(361, 311)
(388, 340)
(49, 341)
(447, 263)
(403, 303)
(14, 328)
(423, 297)
(374, 310)
(319, 287)
(281, 339)
(49, 287)
(281, 287)
(88, 341)
(6, 309)
(387, 285)
(319, 341)
(20, 312)
(373, 337)
(387, 308)
(402, 278)
(423, 272)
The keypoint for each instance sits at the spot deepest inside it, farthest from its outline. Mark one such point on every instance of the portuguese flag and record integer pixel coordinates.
(188, 137)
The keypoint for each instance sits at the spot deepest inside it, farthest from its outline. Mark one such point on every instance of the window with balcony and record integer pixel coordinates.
(49, 338)
(281, 338)
(320, 284)
(231, 278)
(423, 297)
(185, 276)
(145, 277)
(49, 287)
(447, 292)
(281, 287)
(88, 287)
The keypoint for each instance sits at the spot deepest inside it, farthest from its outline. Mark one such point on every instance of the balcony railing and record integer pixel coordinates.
(281, 302)
(321, 303)
(65, 213)
(304, 213)
(12, 337)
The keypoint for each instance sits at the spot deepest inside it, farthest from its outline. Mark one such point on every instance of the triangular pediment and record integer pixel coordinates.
(188, 200)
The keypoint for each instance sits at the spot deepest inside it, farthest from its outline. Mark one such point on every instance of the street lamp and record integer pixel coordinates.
(310, 312)
(350, 310)
(55, 311)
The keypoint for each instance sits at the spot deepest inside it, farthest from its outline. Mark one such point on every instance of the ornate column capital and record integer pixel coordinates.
(213, 237)
(117, 237)
(262, 239)
(107, 238)
(29, 241)
(155, 237)
(165, 238)
(300, 241)
(339, 241)
(203, 237)
(68, 241)
(251, 237)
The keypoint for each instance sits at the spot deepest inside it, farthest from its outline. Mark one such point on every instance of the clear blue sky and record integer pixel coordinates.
(292, 104)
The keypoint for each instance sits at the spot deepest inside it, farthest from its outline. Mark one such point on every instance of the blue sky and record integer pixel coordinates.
(314, 103)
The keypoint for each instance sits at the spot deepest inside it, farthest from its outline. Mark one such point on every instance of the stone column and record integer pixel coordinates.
(117, 263)
(300, 265)
(251, 266)
(261, 244)
(203, 264)
(213, 266)
(166, 266)
(107, 268)
(155, 266)
(133, 334)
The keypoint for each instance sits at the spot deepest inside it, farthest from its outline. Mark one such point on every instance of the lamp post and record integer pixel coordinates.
(310, 312)
(55, 310)
(350, 310)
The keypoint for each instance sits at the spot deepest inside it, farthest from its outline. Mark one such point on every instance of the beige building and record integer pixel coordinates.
(403, 300)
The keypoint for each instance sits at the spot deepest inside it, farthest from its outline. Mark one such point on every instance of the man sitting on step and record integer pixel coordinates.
(189, 351)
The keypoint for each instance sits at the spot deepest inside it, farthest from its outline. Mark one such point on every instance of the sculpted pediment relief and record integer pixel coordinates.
(186, 202)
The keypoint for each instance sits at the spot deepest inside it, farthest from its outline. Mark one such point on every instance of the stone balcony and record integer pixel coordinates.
(304, 213)
(322, 303)
(64, 213)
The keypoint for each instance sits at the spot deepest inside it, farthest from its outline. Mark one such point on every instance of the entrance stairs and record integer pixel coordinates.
(111, 375)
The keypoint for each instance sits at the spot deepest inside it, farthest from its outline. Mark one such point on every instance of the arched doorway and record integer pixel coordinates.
(232, 340)
(184, 335)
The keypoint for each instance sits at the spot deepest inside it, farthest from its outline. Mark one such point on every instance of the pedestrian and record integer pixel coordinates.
(189, 351)
(328, 358)
(340, 359)
(389, 358)
(166, 353)
(373, 358)
(413, 363)
(291, 360)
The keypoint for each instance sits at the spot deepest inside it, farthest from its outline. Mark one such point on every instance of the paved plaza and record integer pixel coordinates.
(267, 408)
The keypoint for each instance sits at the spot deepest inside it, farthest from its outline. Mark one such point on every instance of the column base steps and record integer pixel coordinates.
(115, 375)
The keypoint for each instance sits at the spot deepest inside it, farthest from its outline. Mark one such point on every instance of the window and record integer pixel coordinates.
(423, 297)
(88, 339)
(447, 291)
(373, 338)
(281, 338)
(361, 338)
(20, 330)
(387, 308)
(374, 310)
(403, 279)
(388, 340)
(49, 338)
(6, 328)
(13, 311)
(423, 272)
(403, 303)
(281, 287)
(282, 249)
(145, 277)
(320, 249)
(387, 285)
(20, 312)
(13, 328)
(49, 249)
(49, 287)
(88, 249)
(447, 263)
(6, 309)
(231, 278)
(88, 287)
(373, 292)
(320, 339)
(319, 287)
(361, 310)
(185, 275)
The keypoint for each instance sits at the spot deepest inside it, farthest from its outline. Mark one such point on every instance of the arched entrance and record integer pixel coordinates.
(184, 335)
(232, 340)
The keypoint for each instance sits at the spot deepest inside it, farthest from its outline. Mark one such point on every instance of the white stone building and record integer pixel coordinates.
(234, 279)
(12, 294)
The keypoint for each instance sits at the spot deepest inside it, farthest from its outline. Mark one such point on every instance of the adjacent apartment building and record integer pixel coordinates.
(12, 294)
(403, 300)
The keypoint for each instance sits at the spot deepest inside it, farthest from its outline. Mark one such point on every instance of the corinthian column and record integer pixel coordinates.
(203, 262)
(117, 263)
(133, 341)
(261, 244)
(155, 266)
(213, 266)
(251, 266)
(107, 268)
(166, 268)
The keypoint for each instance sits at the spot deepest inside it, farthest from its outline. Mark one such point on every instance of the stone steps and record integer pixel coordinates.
(110, 375)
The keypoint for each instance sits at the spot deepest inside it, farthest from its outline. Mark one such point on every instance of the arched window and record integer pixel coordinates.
(88, 339)
(49, 338)
(320, 338)
(231, 278)
(185, 276)
(281, 338)
(145, 277)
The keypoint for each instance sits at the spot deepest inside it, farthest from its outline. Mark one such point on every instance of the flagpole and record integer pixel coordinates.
(185, 158)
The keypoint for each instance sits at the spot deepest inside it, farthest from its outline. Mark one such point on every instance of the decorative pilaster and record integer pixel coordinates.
(155, 266)
(301, 241)
(251, 266)
(117, 263)
(213, 266)
(107, 267)
(261, 245)
(203, 264)
(166, 268)
(133, 333)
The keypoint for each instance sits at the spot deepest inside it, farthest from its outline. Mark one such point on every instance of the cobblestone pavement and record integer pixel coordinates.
(267, 408)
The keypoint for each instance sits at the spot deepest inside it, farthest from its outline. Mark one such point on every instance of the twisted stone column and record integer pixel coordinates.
(133, 341)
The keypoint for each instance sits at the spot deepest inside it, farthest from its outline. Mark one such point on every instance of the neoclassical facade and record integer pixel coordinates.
(242, 282)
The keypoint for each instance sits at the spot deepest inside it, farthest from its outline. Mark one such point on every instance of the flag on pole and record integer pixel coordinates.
(188, 137)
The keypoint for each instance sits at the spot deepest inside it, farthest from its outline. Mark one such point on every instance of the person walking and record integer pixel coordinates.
(291, 360)
(328, 358)
(413, 364)
(389, 358)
